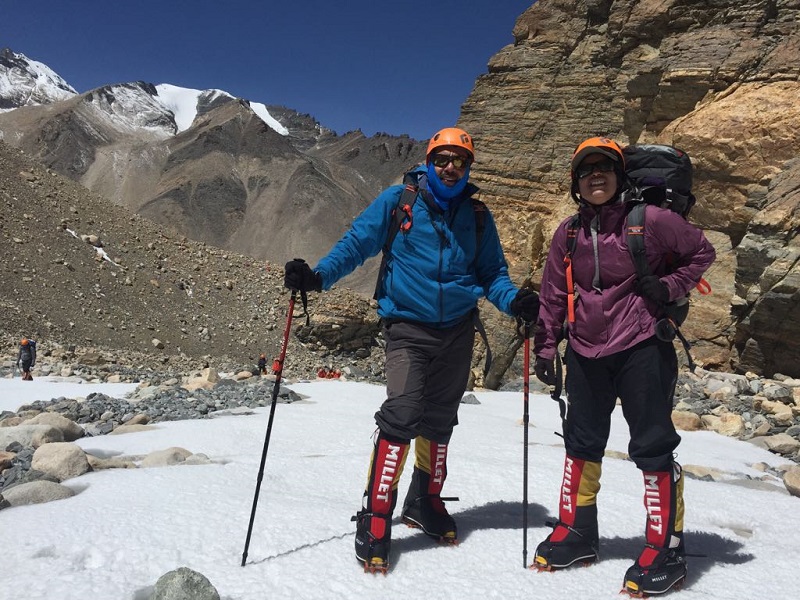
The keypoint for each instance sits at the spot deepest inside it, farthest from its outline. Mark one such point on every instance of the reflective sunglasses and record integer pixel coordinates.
(442, 160)
(603, 166)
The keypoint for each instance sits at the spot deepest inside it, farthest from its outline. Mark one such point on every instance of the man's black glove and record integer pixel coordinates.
(525, 305)
(545, 370)
(652, 288)
(299, 276)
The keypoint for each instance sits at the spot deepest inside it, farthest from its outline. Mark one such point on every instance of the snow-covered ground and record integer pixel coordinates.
(126, 528)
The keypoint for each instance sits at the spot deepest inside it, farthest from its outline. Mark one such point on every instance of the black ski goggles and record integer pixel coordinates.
(442, 160)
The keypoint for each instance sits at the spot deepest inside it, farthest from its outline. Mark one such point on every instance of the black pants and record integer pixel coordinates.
(643, 378)
(427, 371)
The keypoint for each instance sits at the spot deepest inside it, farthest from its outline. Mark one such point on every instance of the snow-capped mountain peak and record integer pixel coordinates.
(186, 104)
(26, 82)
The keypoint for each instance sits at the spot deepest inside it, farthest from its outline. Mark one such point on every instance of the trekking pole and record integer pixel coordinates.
(526, 389)
(277, 367)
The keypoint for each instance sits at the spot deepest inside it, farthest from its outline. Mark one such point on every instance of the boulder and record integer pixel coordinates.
(791, 479)
(779, 444)
(63, 460)
(36, 492)
(70, 430)
(31, 436)
(184, 584)
(729, 424)
(686, 421)
(163, 458)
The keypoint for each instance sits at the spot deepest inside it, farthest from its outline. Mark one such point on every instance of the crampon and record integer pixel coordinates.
(667, 572)
(578, 548)
(448, 538)
(632, 590)
(541, 565)
(375, 566)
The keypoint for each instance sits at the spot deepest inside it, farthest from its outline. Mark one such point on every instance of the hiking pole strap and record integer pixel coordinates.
(304, 300)
(278, 367)
(556, 393)
(478, 324)
(686, 348)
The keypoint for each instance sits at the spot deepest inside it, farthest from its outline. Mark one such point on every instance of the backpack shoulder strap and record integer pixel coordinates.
(674, 313)
(401, 214)
(573, 227)
(480, 210)
(401, 221)
(634, 238)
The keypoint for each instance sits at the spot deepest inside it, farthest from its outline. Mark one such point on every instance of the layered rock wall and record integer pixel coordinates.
(719, 79)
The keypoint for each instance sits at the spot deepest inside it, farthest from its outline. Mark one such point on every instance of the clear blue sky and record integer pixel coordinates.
(400, 67)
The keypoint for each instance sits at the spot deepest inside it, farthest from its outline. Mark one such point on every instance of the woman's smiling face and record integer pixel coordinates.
(599, 185)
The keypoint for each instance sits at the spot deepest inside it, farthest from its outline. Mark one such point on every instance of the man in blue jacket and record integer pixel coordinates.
(434, 275)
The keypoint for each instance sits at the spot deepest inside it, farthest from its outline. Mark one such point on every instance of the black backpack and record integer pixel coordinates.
(661, 175)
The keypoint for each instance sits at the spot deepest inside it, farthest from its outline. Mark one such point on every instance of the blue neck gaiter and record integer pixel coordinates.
(442, 193)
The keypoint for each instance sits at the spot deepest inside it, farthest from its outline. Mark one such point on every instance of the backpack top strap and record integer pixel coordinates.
(634, 238)
(401, 221)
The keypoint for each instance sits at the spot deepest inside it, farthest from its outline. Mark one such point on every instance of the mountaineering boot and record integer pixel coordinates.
(424, 506)
(662, 564)
(374, 520)
(574, 538)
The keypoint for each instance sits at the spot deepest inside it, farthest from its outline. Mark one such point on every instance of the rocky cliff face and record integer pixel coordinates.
(718, 79)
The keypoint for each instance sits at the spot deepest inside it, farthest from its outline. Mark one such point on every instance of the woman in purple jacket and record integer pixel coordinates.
(613, 352)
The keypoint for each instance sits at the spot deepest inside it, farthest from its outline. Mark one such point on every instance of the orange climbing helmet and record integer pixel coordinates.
(597, 145)
(24, 341)
(451, 136)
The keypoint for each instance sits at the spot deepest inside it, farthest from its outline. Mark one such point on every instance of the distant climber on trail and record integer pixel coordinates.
(442, 253)
(26, 359)
(262, 364)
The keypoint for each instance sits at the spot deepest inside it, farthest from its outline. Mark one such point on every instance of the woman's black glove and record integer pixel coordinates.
(525, 305)
(299, 276)
(652, 288)
(545, 370)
